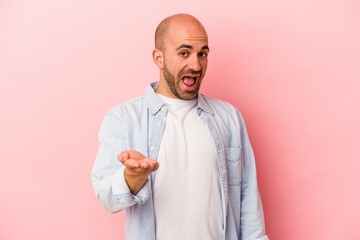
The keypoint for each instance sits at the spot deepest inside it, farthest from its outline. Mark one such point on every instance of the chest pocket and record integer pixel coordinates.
(233, 165)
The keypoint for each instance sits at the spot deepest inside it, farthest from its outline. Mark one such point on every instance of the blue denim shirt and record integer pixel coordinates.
(133, 125)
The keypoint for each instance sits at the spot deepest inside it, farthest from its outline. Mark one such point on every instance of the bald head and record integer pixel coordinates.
(172, 22)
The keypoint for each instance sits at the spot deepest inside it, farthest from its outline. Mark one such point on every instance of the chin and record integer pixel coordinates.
(188, 96)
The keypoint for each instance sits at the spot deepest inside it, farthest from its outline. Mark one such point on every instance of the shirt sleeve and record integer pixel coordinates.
(122, 191)
(108, 173)
(252, 217)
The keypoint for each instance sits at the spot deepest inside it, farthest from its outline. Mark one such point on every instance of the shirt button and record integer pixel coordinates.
(163, 108)
(152, 148)
(159, 123)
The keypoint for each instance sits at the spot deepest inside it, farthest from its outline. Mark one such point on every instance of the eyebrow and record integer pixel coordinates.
(190, 47)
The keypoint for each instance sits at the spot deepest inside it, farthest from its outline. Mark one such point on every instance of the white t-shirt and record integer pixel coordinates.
(186, 190)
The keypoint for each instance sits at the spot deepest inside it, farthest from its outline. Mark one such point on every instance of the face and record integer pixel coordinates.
(185, 58)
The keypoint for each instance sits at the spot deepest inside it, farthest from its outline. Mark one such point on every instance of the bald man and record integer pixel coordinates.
(179, 162)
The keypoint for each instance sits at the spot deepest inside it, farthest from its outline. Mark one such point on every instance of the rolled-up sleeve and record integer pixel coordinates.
(108, 173)
(122, 191)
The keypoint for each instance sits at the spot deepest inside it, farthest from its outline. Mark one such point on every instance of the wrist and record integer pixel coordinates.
(135, 181)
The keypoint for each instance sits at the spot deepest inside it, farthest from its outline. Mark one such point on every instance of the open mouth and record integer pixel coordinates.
(189, 80)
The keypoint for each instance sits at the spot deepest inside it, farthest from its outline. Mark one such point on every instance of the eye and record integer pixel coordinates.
(203, 55)
(183, 54)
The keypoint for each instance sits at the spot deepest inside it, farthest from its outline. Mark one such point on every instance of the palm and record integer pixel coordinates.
(137, 163)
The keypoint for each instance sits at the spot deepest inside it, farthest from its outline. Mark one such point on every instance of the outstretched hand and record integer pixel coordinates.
(138, 168)
(137, 163)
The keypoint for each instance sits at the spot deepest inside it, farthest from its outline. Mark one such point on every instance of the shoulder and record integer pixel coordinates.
(220, 106)
(224, 112)
(127, 108)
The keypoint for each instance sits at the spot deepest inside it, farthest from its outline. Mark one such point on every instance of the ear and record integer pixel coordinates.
(158, 58)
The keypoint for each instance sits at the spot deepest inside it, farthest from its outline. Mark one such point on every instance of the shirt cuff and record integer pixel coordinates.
(122, 191)
(263, 238)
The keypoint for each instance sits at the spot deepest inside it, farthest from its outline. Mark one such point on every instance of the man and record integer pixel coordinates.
(179, 162)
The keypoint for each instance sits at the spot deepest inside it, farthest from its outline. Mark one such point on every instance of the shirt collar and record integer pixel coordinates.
(203, 105)
(154, 103)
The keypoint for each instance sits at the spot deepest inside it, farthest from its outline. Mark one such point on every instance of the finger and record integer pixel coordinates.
(131, 164)
(152, 164)
(145, 165)
(156, 167)
(123, 157)
(135, 164)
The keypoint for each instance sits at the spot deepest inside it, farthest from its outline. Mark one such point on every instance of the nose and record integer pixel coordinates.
(194, 63)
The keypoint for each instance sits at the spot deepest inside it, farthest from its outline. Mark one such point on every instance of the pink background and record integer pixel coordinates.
(291, 67)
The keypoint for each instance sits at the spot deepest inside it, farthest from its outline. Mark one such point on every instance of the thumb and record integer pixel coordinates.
(123, 156)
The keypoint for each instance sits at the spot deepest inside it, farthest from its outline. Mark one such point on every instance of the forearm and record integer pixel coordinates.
(135, 181)
(113, 192)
